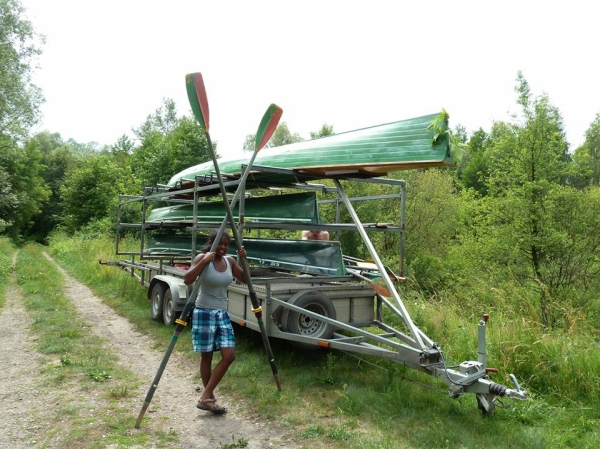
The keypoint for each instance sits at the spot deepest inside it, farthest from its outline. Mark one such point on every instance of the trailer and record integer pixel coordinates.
(311, 293)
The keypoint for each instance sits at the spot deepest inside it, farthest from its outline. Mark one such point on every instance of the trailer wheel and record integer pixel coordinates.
(301, 324)
(156, 301)
(169, 315)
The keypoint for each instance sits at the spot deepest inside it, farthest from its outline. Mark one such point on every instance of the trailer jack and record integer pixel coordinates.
(472, 377)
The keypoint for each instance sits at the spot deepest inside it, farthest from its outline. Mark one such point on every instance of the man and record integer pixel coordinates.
(315, 235)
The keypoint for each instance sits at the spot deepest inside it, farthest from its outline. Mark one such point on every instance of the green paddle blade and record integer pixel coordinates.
(196, 91)
(267, 126)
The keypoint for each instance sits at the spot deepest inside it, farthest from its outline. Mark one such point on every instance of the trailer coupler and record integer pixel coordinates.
(502, 391)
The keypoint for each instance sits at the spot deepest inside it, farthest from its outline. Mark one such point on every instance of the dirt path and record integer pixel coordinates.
(22, 416)
(20, 411)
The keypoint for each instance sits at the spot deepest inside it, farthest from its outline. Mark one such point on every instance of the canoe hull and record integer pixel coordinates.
(374, 151)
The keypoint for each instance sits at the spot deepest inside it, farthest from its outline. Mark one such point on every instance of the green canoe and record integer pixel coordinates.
(290, 208)
(305, 256)
(373, 151)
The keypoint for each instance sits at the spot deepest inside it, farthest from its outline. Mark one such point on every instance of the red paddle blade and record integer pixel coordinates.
(380, 287)
(267, 126)
(196, 91)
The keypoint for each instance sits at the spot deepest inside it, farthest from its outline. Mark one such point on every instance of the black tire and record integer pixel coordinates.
(301, 324)
(156, 301)
(169, 315)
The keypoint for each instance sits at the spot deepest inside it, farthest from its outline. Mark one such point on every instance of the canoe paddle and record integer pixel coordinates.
(378, 285)
(198, 100)
(264, 133)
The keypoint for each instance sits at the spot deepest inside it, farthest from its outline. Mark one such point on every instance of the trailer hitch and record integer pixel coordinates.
(472, 377)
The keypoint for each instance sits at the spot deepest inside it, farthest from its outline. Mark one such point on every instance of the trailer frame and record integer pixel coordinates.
(298, 308)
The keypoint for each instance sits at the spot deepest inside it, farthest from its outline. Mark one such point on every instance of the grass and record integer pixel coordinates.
(75, 360)
(335, 400)
(241, 442)
(7, 249)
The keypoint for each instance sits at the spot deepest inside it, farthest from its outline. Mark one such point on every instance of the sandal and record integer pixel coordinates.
(203, 404)
(198, 389)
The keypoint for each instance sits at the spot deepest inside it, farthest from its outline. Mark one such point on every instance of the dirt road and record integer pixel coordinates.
(27, 410)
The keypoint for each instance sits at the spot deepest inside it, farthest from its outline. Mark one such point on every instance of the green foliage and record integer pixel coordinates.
(122, 150)
(6, 265)
(571, 241)
(23, 185)
(91, 191)
(312, 432)
(99, 376)
(439, 125)
(120, 392)
(369, 211)
(240, 442)
(525, 166)
(587, 157)
(281, 136)
(19, 107)
(326, 130)
(442, 133)
(168, 145)
(8, 201)
(58, 158)
(432, 216)
(473, 169)
(428, 273)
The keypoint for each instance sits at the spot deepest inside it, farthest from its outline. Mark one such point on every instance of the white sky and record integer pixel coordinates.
(351, 64)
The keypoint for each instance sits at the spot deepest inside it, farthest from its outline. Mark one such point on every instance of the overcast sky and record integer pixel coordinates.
(107, 65)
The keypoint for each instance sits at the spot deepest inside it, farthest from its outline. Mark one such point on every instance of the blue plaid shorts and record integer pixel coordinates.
(211, 330)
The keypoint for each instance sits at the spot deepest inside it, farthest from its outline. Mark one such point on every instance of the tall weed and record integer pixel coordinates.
(559, 362)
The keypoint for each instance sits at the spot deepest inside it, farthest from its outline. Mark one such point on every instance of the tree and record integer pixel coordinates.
(19, 98)
(24, 186)
(326, 130)
(281, 136)
(122, 150)
(8, 201)
(432, 215)
(187, 145)
(528, 164)
(91, 191)
(164, 120)
(587, 157)
(168, 144)
(20, 185)
(58, 158)
(473, 170)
